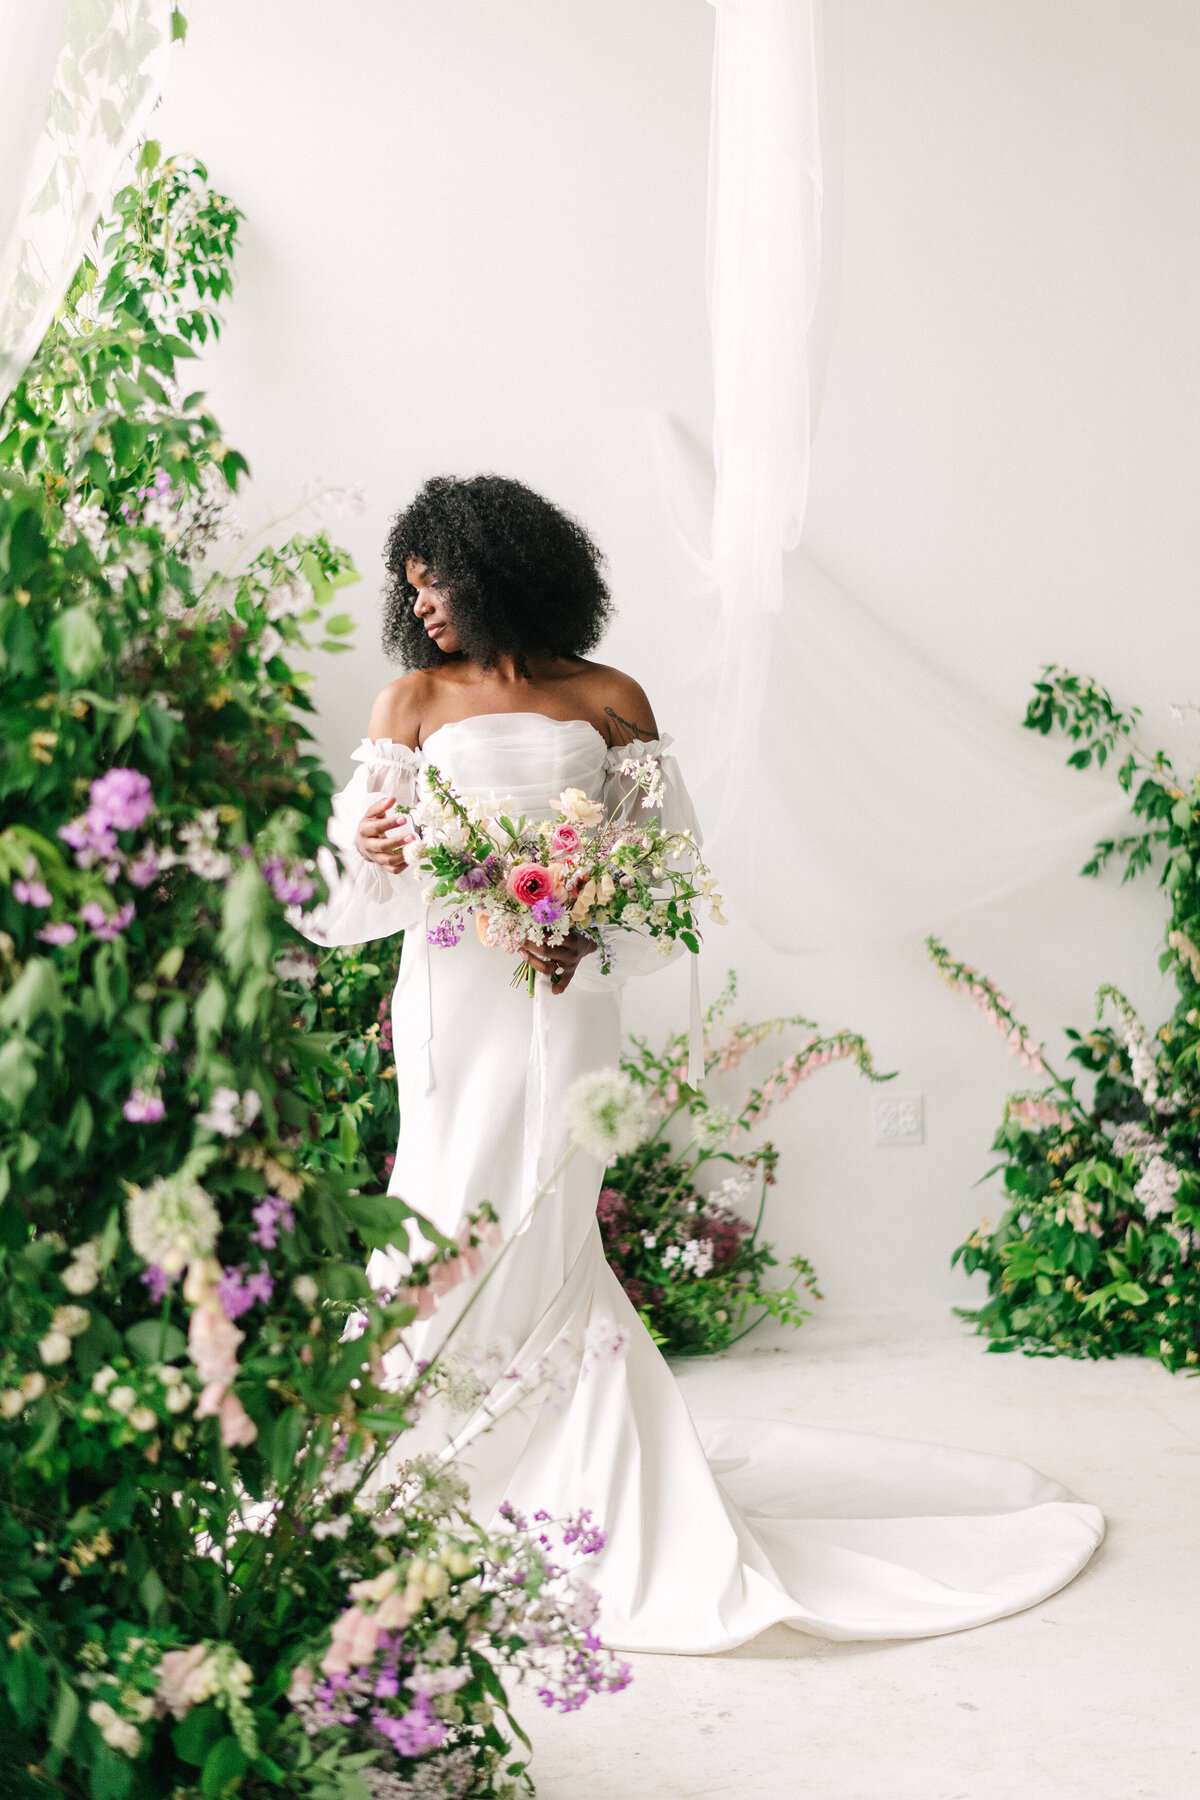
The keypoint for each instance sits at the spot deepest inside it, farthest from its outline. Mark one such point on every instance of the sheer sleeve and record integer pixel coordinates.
(635, 952)
(365, 901)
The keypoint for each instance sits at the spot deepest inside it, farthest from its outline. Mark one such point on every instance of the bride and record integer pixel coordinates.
(715, 1529)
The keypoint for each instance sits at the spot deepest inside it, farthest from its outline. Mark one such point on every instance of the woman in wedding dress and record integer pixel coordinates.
(715, 1529)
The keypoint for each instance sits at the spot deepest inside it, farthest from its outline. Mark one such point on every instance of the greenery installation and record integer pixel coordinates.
(692, 1262)
(205, 1590)
(1096, 1252)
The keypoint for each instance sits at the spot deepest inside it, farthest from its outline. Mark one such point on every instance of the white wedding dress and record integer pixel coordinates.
(716, 1529)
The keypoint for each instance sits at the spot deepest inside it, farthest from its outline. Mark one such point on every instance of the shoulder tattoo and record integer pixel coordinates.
(645, 732)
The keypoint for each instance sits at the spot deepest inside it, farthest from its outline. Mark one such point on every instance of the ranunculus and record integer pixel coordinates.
(530, 882)
(565, 840)
(576, 806)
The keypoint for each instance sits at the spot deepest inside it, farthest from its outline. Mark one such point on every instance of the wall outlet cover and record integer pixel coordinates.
(897, 1119)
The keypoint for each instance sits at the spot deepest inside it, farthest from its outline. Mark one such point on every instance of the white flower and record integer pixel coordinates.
(270, 643)
(12, 1401)
(123, 1399)
(333, 1528)
(83, 1272)
(143, 1418)
(178, 1399)
(229, 1113)
(118, 1733)
(73, 1320)
(1158, 1186)
(172, 1222)
(33, 1386)
(296, 965)
(713, 1127)
(305, 1290)
(606, 1113)
(574, 804)
(288, 598)
(103, 1379)
(55, 1347)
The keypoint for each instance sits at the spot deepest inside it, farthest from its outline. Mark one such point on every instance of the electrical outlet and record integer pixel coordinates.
(897, 1119)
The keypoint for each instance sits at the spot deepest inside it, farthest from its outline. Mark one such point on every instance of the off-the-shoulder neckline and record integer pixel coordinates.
(611, 750)
(473, 718)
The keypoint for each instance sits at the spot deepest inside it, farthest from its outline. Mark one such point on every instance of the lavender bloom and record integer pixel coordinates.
(239, 1292)
(417, 1731)
(106, 926)
(547, 911)
(158, 1282)
(31, 893)
(269, 1215)
(123, 798)
(60, 933)
(144, 867)
(144, 1107)
(90, 836)
(447, 932)
(291, 887)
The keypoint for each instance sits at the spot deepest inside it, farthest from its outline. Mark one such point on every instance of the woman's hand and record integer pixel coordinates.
(559, 961)
(371, 840)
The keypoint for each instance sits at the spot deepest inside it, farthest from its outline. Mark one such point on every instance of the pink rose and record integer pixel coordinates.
(530, 882)
(566, 840)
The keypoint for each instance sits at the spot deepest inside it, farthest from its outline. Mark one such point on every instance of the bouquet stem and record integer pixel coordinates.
(526, 973)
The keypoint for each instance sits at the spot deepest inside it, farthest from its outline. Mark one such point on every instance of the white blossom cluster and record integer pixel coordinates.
(201, 855)
(230, 1113)
(1156, 1190)
(693, 1258)
(172, 1222)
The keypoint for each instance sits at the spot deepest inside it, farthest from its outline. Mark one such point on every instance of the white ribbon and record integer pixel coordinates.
(535, 1100)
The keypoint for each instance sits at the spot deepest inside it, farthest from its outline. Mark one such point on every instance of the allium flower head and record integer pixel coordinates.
(606, 1114)
(172, 1222)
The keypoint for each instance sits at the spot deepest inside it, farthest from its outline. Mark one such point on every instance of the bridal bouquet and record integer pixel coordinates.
(584, 870)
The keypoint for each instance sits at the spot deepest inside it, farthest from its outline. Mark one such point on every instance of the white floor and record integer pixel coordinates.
(1094, 1695)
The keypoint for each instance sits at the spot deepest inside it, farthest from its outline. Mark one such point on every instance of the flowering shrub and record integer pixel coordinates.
(192, 1408)
(688, 1254)
(1095, 1254)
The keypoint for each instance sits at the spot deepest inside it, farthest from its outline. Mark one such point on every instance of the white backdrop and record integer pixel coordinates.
(476, 241)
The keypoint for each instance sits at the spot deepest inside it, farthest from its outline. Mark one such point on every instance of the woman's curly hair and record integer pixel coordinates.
(522, 578)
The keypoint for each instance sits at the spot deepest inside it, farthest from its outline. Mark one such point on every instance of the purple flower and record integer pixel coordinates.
(547, 911)
(269, 1215)
(447, 931)
(415, 1732)
(144, 867)
(144, 1107)
(158, 1282)
(478, 877)
(90, 836)
(123, 798)
(31, 893)
(239, 1292)
(387, 1686)
(60, 933)
(106, 926)
(290, 886)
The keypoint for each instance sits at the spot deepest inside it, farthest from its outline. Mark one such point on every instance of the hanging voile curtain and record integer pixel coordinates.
(849, 790)
(78, 79)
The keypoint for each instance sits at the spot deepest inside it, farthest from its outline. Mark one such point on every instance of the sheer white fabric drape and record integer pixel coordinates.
(78, 79)
(887, 798)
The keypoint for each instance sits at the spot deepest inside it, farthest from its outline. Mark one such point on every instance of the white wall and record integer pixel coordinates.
(475, 240)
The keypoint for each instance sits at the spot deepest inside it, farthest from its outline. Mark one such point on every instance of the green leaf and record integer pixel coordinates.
(339, 625)
(224, 1767)
(66, 1717)
(287, 1434)
(37, 990)
(152, 1341)
(18, 1073)
(1132, 1293)
(151, 155)
(197, 1732)
(179, 26)
(209, 1015)
(153, 1597)
(76, 642)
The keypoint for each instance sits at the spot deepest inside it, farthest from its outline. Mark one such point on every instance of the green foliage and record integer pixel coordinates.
(690, 1258)
(1096, 1252)
(192, 1116)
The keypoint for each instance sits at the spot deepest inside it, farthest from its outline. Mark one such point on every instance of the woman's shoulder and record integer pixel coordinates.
(400, 707)
(619, 702)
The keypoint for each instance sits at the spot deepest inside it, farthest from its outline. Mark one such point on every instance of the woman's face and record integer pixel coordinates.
(430, 605)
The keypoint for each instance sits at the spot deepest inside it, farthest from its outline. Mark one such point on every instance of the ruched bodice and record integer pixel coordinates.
(523, 759)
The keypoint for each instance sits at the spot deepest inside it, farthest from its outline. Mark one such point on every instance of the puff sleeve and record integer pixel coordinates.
(365, 901)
